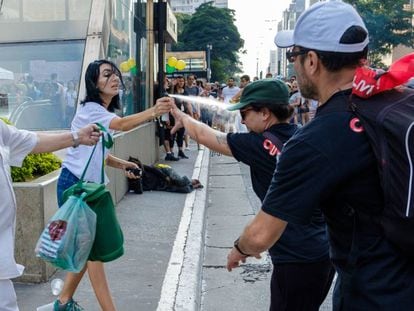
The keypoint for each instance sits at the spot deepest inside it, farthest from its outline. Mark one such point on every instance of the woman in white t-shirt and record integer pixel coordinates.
(103, 80)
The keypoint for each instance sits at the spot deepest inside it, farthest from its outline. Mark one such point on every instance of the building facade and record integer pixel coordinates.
(48, 46)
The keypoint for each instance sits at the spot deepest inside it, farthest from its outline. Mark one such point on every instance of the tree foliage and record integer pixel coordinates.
(215, 26)
(389, 23)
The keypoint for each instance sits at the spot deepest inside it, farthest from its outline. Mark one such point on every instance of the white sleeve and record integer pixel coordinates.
(92, 113)
(19, 143)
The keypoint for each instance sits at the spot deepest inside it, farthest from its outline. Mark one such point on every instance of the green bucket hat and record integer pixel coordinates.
(267, 91)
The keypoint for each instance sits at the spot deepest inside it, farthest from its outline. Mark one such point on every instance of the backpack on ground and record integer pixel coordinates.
(162, 177)
(388, 121)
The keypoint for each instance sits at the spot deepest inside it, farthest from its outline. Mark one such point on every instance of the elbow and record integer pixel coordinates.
(259, 243)
(261, 239)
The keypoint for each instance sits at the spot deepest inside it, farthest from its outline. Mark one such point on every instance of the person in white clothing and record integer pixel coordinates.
(102, 80)
(15, 144)
(229, 91)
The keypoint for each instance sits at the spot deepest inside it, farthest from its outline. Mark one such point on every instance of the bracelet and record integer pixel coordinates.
(236, 246)
(75, 137)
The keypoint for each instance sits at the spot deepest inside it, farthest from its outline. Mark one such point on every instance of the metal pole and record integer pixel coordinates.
(161, 7)
(209, 47)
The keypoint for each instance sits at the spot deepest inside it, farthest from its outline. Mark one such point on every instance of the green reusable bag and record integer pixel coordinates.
(109, 240)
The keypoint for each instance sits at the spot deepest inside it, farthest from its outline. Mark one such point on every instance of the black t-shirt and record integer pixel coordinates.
(327, 165)
(299, 243)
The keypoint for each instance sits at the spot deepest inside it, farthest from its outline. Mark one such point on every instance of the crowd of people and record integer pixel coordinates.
(63, 95)
(216, 115)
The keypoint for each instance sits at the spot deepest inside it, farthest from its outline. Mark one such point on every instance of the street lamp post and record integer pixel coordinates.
(209, 47)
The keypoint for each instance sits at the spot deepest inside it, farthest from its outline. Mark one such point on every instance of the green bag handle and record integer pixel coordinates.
(106, 143)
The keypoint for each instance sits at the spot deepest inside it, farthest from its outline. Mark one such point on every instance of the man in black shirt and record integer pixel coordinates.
(303, 250)
(329, 165)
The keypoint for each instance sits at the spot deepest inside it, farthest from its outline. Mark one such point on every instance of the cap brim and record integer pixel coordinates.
(238, 106)
(284, 39)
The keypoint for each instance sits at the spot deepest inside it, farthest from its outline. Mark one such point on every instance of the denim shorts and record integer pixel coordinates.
(66, 180)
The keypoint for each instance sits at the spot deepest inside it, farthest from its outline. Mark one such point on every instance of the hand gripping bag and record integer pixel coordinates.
(68, 237)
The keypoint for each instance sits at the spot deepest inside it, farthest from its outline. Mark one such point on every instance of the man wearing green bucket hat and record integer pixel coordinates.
(303, 250)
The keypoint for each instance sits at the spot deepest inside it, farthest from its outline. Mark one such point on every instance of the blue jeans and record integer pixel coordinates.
(66, 180)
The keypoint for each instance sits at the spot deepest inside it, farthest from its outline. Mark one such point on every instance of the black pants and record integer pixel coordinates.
(171, 138)
(300, 286)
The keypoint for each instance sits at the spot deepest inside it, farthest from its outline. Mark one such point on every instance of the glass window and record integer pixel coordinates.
(126, 48)
(38, 87)
(44, 10)
(32, 20)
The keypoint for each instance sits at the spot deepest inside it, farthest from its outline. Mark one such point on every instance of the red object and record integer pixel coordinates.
(57, 229)
(368, 82)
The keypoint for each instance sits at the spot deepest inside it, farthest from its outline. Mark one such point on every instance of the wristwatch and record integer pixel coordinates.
(75, 137)
(236, 246)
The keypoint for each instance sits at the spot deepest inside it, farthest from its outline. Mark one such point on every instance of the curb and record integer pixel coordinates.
(182, 281)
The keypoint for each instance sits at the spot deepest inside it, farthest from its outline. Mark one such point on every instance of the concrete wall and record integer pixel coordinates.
(36, 200)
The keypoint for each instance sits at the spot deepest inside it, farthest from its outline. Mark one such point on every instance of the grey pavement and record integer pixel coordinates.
(176, 247)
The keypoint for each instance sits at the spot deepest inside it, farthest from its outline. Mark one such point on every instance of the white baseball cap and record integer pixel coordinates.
(321, 27)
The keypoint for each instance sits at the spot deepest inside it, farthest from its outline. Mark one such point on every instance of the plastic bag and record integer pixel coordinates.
(68, 237)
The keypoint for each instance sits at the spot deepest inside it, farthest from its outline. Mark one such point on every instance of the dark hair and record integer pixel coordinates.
(334, 61)
(282, 111)
(245, 77)
(93, 93)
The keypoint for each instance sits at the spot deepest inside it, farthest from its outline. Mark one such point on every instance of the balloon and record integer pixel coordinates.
(133, 70)
(124, 67)
(180, 64)
(169, 69)
(131, 63)
(172, 61)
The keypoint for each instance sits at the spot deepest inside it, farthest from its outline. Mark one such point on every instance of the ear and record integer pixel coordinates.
(313, 62)
(266, 113)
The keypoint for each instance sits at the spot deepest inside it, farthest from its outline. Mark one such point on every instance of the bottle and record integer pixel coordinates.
(165, 117)
(56, 286)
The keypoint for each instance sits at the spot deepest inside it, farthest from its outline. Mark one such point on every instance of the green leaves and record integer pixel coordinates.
(215, 26)
(35, 165)
(388, 23)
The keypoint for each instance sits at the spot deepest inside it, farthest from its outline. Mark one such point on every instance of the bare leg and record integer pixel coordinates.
(167, 146)
(72, 281)
(99, 283)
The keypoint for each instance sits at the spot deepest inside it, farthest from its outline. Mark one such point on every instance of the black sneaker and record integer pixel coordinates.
(182, 155)
(170, 157)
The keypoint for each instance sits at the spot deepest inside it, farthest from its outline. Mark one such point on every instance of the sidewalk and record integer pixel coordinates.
(231, 205)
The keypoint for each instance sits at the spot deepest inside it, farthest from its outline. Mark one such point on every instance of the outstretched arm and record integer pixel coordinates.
(49, 142)
(201, 132)
(163, 105)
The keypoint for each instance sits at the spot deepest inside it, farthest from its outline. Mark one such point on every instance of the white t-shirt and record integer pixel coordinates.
(76, 158)
(14, 146)
(229, 92)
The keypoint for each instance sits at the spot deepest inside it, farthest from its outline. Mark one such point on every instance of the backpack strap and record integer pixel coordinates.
(274, 139)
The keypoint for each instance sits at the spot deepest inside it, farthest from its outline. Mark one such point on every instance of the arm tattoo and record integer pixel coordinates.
(221, 139)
